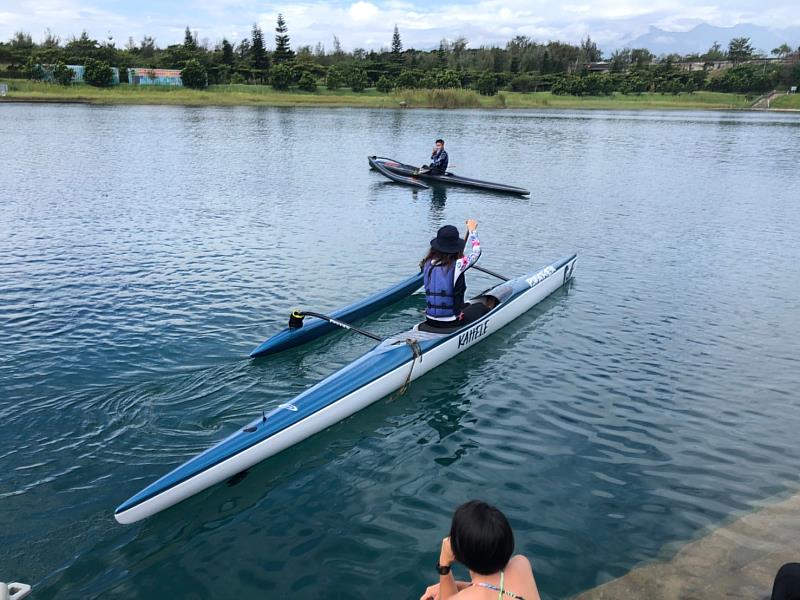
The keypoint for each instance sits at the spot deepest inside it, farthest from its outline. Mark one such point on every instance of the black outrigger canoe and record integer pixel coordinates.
(409, 174)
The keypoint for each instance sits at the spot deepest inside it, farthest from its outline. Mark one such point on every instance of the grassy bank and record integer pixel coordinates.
(791, 101)
(250, 95)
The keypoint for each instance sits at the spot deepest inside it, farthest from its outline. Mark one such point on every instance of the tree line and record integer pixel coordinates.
(522, 65)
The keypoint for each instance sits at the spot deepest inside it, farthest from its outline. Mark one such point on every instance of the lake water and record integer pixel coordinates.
(146, 250)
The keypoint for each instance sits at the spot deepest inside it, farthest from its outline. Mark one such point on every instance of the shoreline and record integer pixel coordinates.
(252, 95)
(738, 559)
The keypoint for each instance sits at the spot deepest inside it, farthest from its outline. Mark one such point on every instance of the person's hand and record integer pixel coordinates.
(472, 225)
(431, 593)
(446, 557)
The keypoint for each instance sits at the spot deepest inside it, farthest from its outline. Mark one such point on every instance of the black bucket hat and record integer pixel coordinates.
(448, 240)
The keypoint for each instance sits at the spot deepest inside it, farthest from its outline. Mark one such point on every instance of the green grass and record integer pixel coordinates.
(244, 95)
(791, 101)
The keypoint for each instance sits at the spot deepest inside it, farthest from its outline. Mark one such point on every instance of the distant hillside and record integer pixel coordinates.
(700, 38)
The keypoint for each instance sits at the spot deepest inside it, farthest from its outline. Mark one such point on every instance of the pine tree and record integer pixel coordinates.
(397, 43)
(189, 40)
(258, 52)
(283, 50)
(227, 52)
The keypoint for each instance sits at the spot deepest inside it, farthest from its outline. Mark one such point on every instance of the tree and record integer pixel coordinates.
(307, 83)
(97, 73)
(334, 79)
(51, 40)
(487, 84)
(740, 50)
(281, 76)
(641, 57)
(283, 50)
(384, 84)
(189, 40)
(148, 47)
(782, 51)
(591, 53)
(357, 79)
(715, 52)
(194, 75)
(397, 44)
(227, 52)
(63, 74)
(33, 70)
(258, 53)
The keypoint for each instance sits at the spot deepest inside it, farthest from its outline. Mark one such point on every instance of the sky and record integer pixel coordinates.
(369, 23)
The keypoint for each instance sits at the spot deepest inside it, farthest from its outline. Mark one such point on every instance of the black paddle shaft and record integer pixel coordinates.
(293, 323)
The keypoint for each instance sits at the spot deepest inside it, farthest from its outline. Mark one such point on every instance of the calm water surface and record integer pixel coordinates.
(146, 250)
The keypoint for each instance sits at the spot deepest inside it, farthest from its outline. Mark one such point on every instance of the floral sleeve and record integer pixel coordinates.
(474, 247)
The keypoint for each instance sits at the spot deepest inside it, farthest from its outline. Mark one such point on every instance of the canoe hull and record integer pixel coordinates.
(373, 376)
(396, 177)
(404, 170)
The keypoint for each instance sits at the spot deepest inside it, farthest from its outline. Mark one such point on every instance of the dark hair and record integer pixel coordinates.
(481, 537)
(440, 258)
(440, 141)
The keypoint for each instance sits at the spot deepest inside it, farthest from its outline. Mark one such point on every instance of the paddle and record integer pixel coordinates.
(297, 316)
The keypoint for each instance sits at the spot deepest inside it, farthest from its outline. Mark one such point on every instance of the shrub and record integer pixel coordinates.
(357, 79)
(407, 80)
(281, 77)
(448, 79)
(97, 73)
(237, 78)
(63, 74)
(384, 84)
(33, 70)
(486, 84)
(194, 75)
(523, 83)
(307, 83)
(334, 79)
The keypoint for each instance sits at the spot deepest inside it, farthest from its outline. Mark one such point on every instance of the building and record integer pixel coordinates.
(78, 71)
(141, 76)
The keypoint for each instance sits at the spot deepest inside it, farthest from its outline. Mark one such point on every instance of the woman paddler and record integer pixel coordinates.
(443, 275)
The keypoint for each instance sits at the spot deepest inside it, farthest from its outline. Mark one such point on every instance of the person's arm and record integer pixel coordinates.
(447, 583)
(474, 245)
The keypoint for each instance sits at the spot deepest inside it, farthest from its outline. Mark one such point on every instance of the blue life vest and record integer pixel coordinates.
(444, 297)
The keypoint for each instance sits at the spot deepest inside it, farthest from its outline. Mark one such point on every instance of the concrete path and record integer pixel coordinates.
(736, 561)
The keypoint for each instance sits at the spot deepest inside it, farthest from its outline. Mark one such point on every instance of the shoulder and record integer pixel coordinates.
(521, 563)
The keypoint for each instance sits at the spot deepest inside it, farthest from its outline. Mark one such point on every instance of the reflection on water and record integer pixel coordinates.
(146, 250)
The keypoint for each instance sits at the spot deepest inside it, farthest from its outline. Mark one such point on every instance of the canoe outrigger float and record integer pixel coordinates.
(414, 176)
(295, 336)
(389, 366)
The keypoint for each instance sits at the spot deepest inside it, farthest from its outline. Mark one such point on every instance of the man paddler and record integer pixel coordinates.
(439, 159)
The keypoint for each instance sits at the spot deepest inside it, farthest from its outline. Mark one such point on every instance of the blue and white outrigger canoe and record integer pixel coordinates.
(389, 366)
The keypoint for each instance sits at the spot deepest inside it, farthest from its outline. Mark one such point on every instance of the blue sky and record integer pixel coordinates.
(369, 23)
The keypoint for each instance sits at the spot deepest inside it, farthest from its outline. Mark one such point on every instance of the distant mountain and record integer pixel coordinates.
(700, 38)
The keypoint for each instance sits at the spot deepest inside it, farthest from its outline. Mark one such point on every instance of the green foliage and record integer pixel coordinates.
(486, 84)
(62, 74)
(281, 76)
(307, 83)
(283, 50)
(384, 84)
(237, 79)
(357, 79)
(740, 50)
(744, 78)
(397, 44)
(258, 52)
(334, 79)
(97, 73)
(407, 80)
(33, 70)
(194, 75)
(523, 83)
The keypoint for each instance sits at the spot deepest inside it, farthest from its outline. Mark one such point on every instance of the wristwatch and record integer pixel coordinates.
(443, 569)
